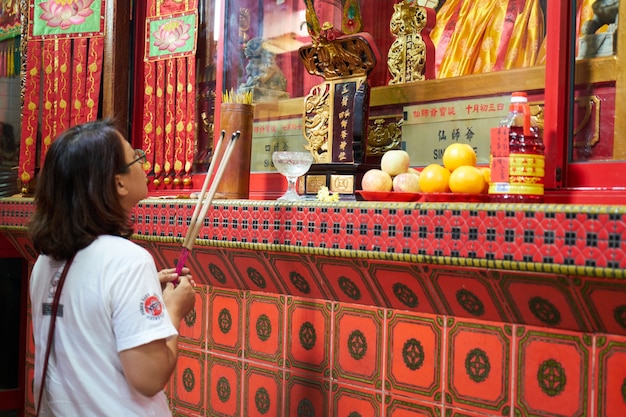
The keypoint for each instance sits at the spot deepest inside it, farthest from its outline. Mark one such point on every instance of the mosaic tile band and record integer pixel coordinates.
(563, 239)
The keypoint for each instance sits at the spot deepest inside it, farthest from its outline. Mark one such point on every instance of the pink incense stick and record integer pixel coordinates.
(181, 262)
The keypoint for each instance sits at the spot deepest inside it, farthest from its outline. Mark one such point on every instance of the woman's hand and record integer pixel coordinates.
(170, 275)
(179, 299)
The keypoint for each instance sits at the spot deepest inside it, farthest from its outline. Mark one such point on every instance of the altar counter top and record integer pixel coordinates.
(578, 240)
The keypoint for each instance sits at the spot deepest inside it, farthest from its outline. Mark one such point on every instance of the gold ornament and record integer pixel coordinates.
(406, 59)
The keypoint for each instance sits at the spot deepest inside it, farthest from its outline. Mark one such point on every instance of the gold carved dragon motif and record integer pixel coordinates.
(406, 59)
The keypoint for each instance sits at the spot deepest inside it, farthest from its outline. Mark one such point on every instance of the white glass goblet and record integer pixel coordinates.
(292, 165)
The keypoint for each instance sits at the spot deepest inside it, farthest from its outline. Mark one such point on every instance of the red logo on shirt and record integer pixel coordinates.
(151, 306)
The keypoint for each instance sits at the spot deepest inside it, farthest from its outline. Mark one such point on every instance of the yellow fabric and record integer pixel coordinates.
(466, 46)
(492, 38)
(443, 16)
(527, 37)
(478, 43)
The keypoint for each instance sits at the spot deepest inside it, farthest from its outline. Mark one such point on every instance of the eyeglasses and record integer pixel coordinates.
(141, 156)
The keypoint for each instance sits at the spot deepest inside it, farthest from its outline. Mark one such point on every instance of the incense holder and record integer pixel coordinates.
(235, 182)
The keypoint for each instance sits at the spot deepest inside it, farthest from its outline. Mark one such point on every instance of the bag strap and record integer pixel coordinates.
(55, 309)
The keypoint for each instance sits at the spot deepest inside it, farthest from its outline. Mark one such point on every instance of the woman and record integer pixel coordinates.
(115, 341)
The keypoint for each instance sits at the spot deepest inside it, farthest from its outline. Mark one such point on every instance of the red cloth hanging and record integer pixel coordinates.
(169, 96)
(62, 86)
(30, 115)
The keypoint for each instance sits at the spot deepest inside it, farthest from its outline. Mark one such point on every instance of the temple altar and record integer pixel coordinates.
(403, 307)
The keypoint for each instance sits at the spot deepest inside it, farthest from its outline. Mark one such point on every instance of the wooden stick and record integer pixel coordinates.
(195, 228)
(207, 180)
(200, 213)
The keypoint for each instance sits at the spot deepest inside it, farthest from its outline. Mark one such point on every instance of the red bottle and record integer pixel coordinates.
(517, 168)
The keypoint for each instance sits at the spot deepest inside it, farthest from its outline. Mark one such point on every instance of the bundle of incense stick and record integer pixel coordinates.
(241, 98)
(205, 198)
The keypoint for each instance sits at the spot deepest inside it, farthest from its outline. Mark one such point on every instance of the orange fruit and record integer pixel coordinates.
(467, 179)
(487, 175)
(434, 179)
(457, 155)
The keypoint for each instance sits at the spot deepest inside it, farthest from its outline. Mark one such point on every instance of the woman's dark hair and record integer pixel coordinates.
(76, 197)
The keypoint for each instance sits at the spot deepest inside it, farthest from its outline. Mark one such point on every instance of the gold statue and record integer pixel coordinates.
(407, 59)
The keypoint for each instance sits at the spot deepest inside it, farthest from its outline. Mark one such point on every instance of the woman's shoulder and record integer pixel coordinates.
(119, 247)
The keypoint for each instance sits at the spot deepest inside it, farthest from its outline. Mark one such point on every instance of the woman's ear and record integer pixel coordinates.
(121, 188)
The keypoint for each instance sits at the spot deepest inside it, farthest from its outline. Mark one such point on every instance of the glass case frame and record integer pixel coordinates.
(555, 83)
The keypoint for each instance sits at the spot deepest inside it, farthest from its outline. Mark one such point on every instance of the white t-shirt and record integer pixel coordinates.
(111, 301)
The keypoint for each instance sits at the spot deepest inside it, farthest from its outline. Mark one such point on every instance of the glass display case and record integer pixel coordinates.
(431, 73)
(448, 38)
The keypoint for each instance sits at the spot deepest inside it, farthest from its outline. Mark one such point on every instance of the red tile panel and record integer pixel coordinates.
(403, 288)
(298, 276)
(396, 406)
(193, 326)
(479, 366)
(30, 338)
(212, 267)
(188, 381)
(541, 299)
(253, 271)
(308, 336)
(357, 345)
(262, 391)
(454, 412)
(466, 292)
(604, 301)
(167, 255)
(306, 396)
(224, 321)
(29, 396)
(23, 244)
(414, 355)
(265, 328)
(223, 387)
(611, 376)
(346, 281)
(353, 401)
(553, 376)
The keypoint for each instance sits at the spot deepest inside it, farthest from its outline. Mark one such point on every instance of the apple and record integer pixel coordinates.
(406, 182)
(413, 171)
(376, 180)
(395, 162)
